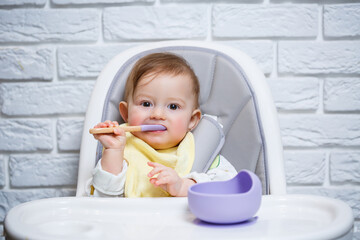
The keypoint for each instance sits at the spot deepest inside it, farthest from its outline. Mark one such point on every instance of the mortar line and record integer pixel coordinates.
(327, 181)
(7, 172)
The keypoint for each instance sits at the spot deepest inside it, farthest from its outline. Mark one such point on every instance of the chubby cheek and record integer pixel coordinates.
(179, 127)
(134, 122)
(135, 118)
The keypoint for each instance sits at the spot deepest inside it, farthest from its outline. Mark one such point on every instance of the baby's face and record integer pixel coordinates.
(167, 100)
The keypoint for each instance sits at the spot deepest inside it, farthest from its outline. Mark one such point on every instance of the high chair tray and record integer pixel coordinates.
(279, 217)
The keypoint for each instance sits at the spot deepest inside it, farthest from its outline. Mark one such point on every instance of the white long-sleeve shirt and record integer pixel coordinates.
(109, 185)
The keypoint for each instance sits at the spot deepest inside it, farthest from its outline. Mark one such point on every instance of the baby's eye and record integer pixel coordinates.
(146, 104)
(173, 106)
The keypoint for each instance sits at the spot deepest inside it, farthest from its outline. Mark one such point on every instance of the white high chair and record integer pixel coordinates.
(234, 91)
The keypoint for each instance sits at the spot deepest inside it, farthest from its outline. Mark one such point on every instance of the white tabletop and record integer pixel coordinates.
(279, 217)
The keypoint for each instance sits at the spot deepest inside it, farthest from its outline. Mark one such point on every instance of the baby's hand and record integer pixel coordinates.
(117, 140)
(169, 180)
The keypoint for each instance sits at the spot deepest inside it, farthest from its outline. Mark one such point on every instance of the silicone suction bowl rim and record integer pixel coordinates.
(249, 176)
(226, 208)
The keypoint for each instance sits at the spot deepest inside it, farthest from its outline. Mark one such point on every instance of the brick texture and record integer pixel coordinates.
(83, 2)
(35, 25)
(69, 133)
(319, 57)
(83, 62)
(26, 63)
(45, 98)
(342, 20)
(295, 94)
(260, 51)
(52, 51)
(304, 167)
(265, 21)
(2, 171)
(320, 131)
(342, 95)
(25, 135)
(343, 166)
(43, 170)
(154, 23)
(23, 3)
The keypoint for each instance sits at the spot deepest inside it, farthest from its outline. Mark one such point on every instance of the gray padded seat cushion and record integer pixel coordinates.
(225, 92)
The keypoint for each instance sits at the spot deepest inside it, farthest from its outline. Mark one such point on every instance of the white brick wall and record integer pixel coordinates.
(45, 25)
(310, 57)
(147, 23)
(257, 21)
(26, 135)
(51, 52)
(85, 61)
(26, 63)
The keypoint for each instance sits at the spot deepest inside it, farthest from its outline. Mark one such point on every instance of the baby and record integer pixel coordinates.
(161, 89)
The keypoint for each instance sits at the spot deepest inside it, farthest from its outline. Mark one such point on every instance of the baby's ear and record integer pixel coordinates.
(195, 119)
(123, 108)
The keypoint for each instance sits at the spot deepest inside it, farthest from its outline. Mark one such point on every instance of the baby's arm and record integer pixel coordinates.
(114, 144)
(105, 184)
(169, 180)
(110, 172)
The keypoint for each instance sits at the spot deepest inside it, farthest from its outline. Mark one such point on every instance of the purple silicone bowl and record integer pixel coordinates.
(224, 202)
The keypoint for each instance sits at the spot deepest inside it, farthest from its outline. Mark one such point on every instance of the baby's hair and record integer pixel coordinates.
(160, 63)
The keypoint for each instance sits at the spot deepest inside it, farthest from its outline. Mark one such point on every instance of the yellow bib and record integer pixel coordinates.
(137, 153)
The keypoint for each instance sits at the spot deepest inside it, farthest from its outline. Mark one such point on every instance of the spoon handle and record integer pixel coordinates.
(111, 129)
(142, 128)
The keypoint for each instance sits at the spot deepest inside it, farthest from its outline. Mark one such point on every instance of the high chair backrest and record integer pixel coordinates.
(242, 125)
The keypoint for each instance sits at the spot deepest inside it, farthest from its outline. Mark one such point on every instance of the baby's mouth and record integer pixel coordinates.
(153, 128)
(162, 128)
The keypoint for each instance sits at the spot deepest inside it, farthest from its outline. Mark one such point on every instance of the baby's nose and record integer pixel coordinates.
(158, 113)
